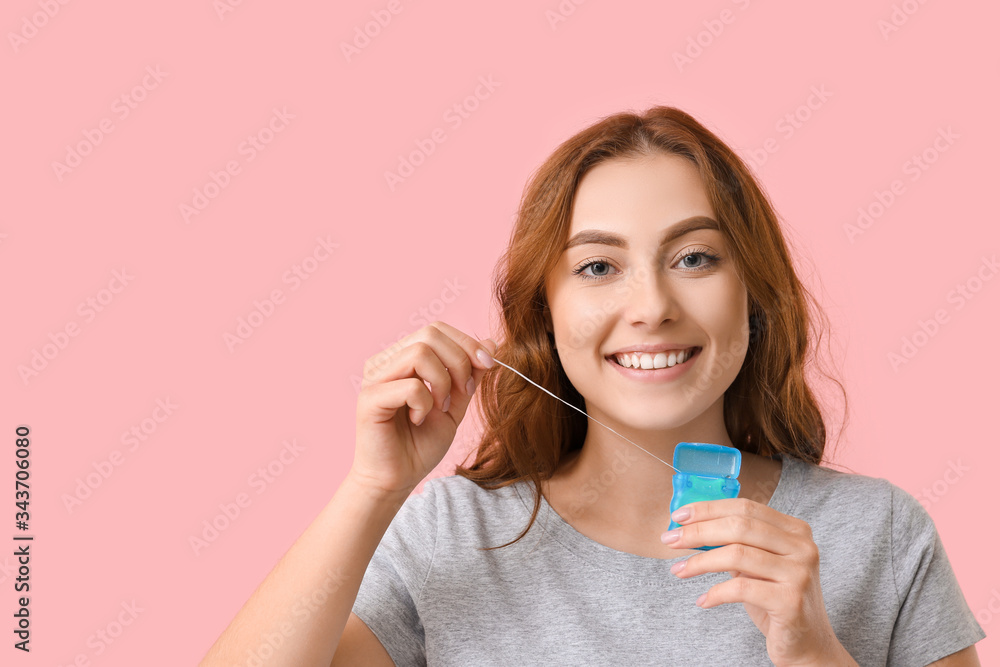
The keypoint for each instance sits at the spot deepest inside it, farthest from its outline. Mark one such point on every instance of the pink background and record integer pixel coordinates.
(927, 425)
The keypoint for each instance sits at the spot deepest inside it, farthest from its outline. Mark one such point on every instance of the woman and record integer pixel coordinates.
(647, 283)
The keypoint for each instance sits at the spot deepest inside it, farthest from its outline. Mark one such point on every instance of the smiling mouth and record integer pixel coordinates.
(646, 361)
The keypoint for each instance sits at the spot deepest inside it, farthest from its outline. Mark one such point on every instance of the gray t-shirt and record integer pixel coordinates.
(556, 597)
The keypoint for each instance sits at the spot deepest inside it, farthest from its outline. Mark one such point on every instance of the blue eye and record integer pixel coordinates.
(597, 262)
(709, 261)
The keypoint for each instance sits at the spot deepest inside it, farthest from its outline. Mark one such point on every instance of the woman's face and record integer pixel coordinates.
(619, 287)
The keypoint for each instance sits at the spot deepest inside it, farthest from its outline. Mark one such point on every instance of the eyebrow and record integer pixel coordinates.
(601, 237)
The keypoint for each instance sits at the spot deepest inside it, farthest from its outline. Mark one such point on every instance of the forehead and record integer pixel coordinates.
(650, 190)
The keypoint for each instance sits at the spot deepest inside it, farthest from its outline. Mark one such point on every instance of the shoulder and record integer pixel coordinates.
(845, 500)
(454, 494)
(467, 514)
(823, 483)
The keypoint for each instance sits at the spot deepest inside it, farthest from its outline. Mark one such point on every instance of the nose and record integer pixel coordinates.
(649, 298)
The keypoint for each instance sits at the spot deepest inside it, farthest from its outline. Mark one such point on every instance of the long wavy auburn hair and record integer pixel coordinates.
(768, 409)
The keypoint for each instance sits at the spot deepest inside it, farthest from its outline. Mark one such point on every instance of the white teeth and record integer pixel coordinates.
(659, 360)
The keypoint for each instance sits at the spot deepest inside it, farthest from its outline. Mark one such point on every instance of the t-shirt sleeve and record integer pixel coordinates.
(390, 590)
(934, 620)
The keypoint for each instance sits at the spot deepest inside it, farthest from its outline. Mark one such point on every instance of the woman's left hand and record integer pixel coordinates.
(774, 563)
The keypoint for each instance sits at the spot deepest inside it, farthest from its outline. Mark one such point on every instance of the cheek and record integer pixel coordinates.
(723, 312)
(731, 331)
(731, 323)
(583, 319)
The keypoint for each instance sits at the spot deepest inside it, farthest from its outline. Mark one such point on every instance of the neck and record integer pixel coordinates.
(611, 480)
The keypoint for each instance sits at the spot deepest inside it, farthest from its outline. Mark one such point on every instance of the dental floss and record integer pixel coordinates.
(688, 487)
(586, 415)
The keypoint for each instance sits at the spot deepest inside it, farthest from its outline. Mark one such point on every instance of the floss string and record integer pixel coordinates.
(585, 414)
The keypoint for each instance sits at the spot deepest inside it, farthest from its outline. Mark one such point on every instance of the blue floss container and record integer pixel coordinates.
(707, 472)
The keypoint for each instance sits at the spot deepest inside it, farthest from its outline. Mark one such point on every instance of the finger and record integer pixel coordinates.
(767, 595)
(736, 529)
(714, 509)
(384, 400)
(470, 345)
(458, 353)
(478, 354)
(739, 558)
(419, 360)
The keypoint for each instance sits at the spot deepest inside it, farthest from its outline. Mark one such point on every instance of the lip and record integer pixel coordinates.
(651, 348)
(658, 374)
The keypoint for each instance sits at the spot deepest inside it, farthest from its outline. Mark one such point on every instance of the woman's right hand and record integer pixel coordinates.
(403, 430)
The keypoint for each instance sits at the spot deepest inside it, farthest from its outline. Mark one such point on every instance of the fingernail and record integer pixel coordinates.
(671, 536)
(484, 358)
(447, 402)
(677, 567)
(470, 387)
(701, 598)
(681, 514)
